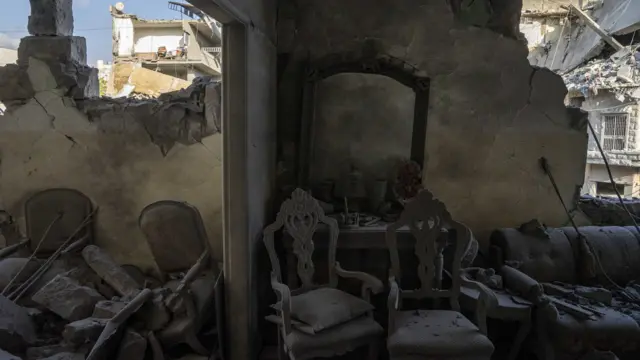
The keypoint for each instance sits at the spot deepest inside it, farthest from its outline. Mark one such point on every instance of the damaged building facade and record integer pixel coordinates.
(303, 82)
(184, 49)
(601, 74)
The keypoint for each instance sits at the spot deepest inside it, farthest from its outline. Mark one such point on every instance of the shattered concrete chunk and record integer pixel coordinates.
(84, 331)
(110, 271)
(56, 49)
(16, 327)
(67, 298)
(154, 313)
(14, 83)
(7, 356)
(107, 309)
(66, 356)
(37, 353)
(132, 347)
(51, 18)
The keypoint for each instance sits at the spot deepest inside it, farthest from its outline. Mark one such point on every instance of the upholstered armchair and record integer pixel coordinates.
(434, 334)
(316, 321)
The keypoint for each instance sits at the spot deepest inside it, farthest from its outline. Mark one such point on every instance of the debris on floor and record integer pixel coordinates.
(68, 317)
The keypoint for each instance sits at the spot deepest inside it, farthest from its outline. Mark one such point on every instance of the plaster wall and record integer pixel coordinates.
(148, 40)
(52, 144)
(491, 115)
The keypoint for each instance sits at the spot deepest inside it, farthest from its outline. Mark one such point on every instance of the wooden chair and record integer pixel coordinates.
(178, 240)
(434, 334)
(300, 216)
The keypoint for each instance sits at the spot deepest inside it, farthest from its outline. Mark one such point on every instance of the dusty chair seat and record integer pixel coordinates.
(435, 333)
(352, 335)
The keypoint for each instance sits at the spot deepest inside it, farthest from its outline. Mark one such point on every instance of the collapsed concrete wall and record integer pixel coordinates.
(122, 153)
(491, 115)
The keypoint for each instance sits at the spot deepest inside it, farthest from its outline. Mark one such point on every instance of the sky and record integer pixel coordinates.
(92, 20)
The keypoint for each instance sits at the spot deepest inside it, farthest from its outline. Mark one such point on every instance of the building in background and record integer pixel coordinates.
(184, 49)
(7, 56)
(594, 46)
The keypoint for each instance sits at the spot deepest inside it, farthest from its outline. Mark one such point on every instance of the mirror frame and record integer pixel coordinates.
(374, 63)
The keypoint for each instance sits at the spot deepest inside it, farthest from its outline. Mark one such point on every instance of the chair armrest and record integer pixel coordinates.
(369, 282)
(393, 303)
(284, 298)
(487, 301)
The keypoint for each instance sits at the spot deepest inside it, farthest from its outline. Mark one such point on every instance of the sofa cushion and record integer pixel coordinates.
(618, 250)
(440, 334)
(544, 259)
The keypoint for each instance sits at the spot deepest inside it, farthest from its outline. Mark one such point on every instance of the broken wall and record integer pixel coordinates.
(491, 115)
(123, 154)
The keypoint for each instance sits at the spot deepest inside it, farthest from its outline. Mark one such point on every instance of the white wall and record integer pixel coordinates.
(148, 40)
(123, 34)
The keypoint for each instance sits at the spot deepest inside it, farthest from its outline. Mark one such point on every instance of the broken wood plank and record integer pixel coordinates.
(599, 30)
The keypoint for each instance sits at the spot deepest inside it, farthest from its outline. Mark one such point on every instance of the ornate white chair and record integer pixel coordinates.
(434, 334)
(318, 320)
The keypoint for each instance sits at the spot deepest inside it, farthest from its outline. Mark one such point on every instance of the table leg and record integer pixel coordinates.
(523, 332)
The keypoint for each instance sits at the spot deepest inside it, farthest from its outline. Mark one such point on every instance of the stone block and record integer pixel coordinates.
(37, 353)
(51, 18)
(107, 309)
(16, 327)
(132, 347)
(66, 356)
(84, 331)
(53, 49)
(110, 271)
(67, 298)
(7, 356)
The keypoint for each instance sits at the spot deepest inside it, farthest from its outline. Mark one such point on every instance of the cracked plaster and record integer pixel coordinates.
(491, 116)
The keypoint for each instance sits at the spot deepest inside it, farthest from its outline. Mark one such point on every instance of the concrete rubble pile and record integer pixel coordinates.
(186, 116)
(64, 314)
(615, 72)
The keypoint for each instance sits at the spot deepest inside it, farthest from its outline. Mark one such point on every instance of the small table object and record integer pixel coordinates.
(510, 308)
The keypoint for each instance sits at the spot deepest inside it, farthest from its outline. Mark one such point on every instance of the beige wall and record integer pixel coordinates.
(491, 115)
(116, 166)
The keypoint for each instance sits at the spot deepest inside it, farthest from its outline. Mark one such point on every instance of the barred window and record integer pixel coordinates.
(614, 131)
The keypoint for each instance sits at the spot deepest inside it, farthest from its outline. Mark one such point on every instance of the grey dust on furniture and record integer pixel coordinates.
(318, 320)
(435, 334)
(178, 241)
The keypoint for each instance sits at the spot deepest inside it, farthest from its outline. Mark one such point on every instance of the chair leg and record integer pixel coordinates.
(192, 340)
(374, 350)
(282, 354)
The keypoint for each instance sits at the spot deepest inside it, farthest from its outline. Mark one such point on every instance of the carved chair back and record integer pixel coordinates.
(300, 217)
(426, 217)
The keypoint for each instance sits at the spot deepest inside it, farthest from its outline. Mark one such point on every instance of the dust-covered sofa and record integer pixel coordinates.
(572, 271)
